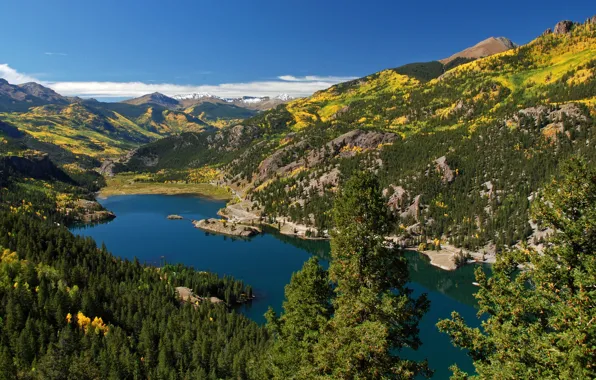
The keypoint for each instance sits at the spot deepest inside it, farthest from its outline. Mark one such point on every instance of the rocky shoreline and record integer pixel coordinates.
(224, 227)
(447, 257)
(186, 295)
(242, 212)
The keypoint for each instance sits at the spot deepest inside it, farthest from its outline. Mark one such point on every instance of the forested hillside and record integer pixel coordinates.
(71, 310)
(459, 153)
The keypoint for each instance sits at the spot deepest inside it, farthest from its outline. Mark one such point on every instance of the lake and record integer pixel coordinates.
(267, 262)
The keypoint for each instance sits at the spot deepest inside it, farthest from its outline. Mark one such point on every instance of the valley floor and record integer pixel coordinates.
(124, 184)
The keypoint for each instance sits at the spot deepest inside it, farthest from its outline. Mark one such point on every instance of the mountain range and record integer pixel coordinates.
(188, 100)
(97, 130)
(460, 144)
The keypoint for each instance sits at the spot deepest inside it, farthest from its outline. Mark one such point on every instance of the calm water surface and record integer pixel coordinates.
(267, 262)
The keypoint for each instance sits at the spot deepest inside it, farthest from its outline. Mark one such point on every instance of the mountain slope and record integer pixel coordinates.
(483, 49)
(87, 129)
(19, 98)
(459, 153)
(210, 109)
(220, 114)
(99, 130)
(44, 93)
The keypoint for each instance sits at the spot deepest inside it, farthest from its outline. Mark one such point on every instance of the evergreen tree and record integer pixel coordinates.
(541, 321)
(375, 316)
(307, 309)
(8, 370)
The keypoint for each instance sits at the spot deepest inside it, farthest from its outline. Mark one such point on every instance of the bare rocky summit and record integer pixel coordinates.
(490, 46)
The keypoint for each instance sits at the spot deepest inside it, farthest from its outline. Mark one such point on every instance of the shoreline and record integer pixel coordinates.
(100, 195)
(239, 213)
(445, 257)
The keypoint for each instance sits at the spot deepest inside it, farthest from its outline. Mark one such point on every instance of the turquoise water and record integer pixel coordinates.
(267, 262)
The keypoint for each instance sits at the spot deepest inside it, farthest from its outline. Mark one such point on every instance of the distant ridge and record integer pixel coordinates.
(490, 46)
(20, 97)
(259, 103)
(154, 98)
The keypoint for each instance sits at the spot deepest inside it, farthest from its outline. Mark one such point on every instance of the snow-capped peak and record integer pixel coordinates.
(284, 97)
(196, 95)
(249, 99)
(243, 99)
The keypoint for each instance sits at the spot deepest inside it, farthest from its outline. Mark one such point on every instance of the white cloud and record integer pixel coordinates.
(134, 89)
(315, 78)
(294, 86)
(54, 53)
(12, 76)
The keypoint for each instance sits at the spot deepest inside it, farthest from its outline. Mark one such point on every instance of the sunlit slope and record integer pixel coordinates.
(100, 129)
(219, 114)
(551, 69)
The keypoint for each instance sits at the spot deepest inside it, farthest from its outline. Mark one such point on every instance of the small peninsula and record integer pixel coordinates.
(223, 227)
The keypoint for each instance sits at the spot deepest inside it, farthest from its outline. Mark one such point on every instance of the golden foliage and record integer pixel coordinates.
(96, 325)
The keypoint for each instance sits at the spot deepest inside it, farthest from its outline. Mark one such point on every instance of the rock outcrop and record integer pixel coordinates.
(275, 162)
(446, 173)
(552, 119)
(187, 295)
(232, 138)
(563, 27)
(395, 195)
(413, 210)
(347, 145)
(545, 115)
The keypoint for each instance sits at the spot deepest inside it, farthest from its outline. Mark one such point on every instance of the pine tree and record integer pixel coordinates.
(541, 321)
(375, 316)
(8, 370)
(307, 309)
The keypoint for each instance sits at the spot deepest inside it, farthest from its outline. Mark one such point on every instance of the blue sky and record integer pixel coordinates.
(124, 48)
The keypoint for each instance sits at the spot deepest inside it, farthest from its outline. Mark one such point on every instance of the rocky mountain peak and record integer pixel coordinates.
(490, 46)
(42, 92)
(154, 98)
